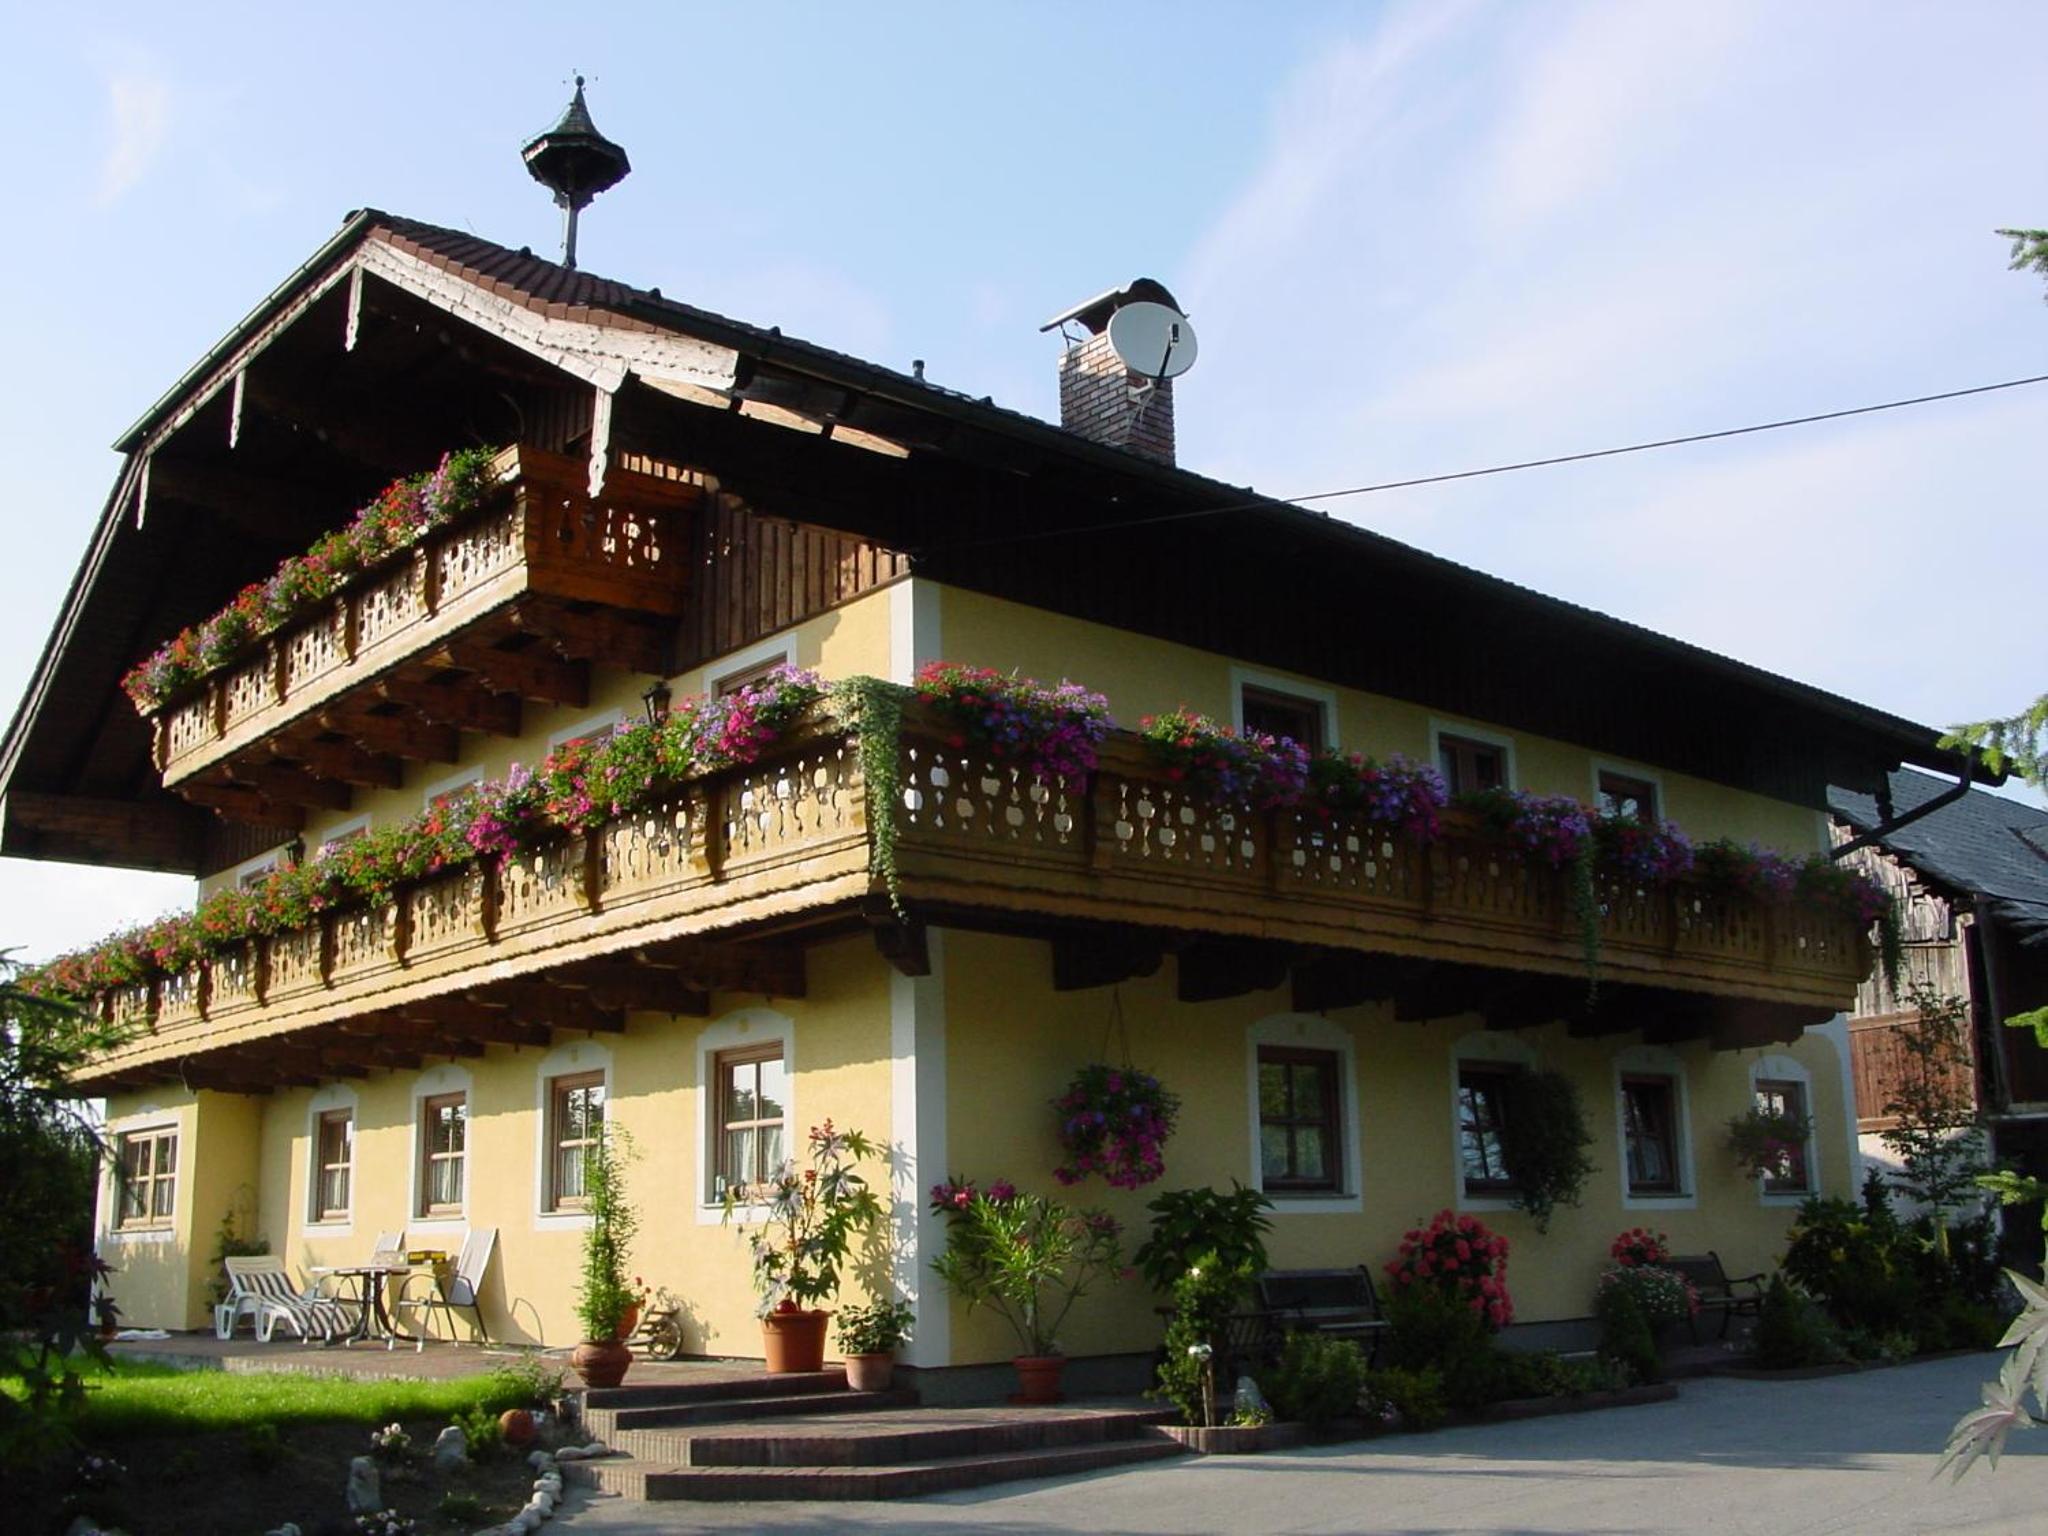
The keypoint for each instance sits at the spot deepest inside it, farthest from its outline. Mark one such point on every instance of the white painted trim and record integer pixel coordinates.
(570, 1060)
(1633, 771)
(780, 648)
(460, 779)
(447, 1078)
(918, 1153)
(1656, 1061)
(741, 1027)
(914, 634)
(1440, 728)
(142, 1122)
(1786, 1069)
(341, 829)
(1324, 699)
(610, 719)
(1496, 1048)
(331, 1097)
(1308, 1031)
(262, 864)
(1836, 1033)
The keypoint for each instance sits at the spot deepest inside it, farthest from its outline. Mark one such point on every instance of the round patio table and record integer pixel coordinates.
(373, 1319)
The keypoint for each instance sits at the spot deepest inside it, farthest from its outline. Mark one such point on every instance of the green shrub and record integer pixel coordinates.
(1317, 1380)
(1542, 1374)
(1792, 1332)
(1187, 1223)
(1204, 1296)
(1626, 1341)
(1429, 1330)
(1413, 1399)
(1861, 1265)
(480, 1427)
(464, 1509)
(1543, 1142)
(527, 1382)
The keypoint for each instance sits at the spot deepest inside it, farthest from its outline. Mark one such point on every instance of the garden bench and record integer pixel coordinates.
(1719, 1291)
(1342, 1303)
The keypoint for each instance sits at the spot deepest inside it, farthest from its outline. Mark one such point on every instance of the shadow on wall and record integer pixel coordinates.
(149, 1281)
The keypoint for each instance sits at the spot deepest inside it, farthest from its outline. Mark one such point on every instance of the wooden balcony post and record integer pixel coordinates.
(274, 655)
(351, 630)
(259, 970)
(593, 868)
(426, 585)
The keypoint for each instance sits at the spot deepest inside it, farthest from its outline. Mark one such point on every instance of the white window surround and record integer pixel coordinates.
(148, 1117)
(761, 653)
(1628, 771)
(564, 1061)
(1784, 1069)
(332, 1097)
(431, 1084)
(1491, 1048)
(461, 779)
(590, 727)
(262, 864)
(1325, 699)
(1311, 1032)
(1439, 729)
(340, 829)
(742, 1027)
(1656, 1061)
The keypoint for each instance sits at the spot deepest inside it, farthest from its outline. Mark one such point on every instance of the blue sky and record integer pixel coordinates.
(1413, 238)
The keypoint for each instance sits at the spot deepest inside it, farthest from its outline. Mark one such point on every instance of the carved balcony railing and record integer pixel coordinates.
(538, 535)
(789, 841)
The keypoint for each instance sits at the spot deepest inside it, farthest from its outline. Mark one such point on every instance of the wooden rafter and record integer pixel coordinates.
(454, 703)
(599, 635)
(531, 674)
(393, 736)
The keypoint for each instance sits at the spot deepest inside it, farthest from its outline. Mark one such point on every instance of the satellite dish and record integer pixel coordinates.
(1155, 341)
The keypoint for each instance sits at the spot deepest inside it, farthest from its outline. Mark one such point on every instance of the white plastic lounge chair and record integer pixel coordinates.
(260, 1289)
(422, 1293)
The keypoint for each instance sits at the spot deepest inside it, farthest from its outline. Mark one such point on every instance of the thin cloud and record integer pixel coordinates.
(139, 114)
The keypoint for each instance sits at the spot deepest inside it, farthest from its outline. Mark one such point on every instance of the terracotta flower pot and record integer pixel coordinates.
(601, 1362)
(629, 1321)
(871, 1373)
(517, 1426)
(794, 1341)
(1038, 1378)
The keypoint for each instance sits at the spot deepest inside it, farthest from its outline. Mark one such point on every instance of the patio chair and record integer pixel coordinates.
(462, 1288)
(260, 1289)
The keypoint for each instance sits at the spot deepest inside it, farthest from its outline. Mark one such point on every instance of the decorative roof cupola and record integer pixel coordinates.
(575, 162)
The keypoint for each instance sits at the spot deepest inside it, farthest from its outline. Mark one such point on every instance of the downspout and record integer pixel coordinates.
(1886, 828)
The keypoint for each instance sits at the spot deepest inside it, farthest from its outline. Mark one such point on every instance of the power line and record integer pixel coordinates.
(1491, 469)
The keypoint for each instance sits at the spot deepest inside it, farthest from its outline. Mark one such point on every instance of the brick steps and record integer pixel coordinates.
(612, 1423)
(898, 1481)
(885, 1439)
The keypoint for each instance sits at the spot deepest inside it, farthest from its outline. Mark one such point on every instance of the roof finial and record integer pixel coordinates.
(575, 162)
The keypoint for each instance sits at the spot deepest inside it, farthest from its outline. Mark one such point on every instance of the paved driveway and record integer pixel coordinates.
(1848, 1454)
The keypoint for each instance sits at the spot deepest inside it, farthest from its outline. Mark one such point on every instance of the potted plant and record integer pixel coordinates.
(1766, 1143)
(809, 1219)
(603, 1295)
(869, 1338)
(1030, 1259)
(1114, 1121)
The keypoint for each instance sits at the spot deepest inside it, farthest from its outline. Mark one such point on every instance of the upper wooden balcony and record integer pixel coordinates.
(656, 909)
(509, 603)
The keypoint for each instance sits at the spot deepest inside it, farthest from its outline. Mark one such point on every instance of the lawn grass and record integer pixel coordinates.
(138, 1398)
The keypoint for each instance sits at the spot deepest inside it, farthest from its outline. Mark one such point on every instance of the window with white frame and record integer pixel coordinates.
(1303, 1105)
(444, 1146)
(1650, 1133)
(1786, 1097)
(334, 1154)
(146, 1169)
(575, 1127)
(751, 1130)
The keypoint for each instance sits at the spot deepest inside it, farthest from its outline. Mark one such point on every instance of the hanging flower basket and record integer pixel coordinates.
(1115, 1121)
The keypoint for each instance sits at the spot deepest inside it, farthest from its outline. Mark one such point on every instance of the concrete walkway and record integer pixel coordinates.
(1844, 1454)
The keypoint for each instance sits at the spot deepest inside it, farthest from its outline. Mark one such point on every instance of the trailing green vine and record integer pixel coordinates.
(1543, 1142)
(1586, 906)
(873, 710)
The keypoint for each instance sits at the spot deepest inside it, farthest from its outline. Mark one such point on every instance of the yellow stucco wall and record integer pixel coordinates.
(1012, 1043)
(839, 1048)
(1141, 675)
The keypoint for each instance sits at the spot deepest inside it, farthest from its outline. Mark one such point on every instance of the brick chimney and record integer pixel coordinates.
(1101, 398)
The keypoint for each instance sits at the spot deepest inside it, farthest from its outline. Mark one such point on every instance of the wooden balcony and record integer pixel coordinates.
(688, 888)
(511, 602)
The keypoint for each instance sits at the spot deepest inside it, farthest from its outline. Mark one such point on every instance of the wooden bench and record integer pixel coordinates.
(1729, 1295)
(1342, 1303)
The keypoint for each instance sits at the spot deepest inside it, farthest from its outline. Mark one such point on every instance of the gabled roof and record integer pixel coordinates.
(1981, 845)
(1319, 594)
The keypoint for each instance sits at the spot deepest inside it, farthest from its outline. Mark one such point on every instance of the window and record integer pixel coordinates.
(1623, 794)
(1650, 1129)
(747, 677)
(254, 875)
(1470, 765)
(1299, 1136)
(594, 732)
(147, 1168)
(1783, 1097)
(444, 1138)
(334, 1149)
(1282, 714)
(1482, 1111)
(342, 836)
(753, 1087)
(575, 1123)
